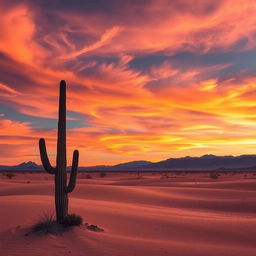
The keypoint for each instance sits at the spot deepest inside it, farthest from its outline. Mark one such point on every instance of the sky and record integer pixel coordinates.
(146, 80)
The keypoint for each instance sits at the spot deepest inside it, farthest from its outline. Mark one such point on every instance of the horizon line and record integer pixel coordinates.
(140, 160)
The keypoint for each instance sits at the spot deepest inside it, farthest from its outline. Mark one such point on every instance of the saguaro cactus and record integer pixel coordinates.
(60, 171)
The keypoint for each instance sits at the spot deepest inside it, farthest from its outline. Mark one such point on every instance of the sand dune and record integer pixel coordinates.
(140, 216)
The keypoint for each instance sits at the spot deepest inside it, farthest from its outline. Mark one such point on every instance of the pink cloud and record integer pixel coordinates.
(186, 110)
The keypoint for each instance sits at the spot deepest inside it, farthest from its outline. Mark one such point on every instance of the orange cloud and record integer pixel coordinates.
(131, 93)
(16, 37)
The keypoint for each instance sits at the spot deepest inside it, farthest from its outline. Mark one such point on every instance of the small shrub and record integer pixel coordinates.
(214, 175)
(47, 225)
(88, 176)
(102, 174)
(9, 175)
(72, 220)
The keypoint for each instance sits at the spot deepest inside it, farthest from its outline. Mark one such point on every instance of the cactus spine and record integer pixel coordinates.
(60, 171)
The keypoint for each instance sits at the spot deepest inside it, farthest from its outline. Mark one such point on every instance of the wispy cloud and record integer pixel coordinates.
(146, 79)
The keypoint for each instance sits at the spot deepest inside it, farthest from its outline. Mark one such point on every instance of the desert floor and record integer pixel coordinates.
(148, 214)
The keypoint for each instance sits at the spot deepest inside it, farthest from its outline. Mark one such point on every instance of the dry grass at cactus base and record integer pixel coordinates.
(72, 220)
(46, 224)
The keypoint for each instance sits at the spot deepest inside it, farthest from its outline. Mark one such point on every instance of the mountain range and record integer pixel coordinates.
(205, 162)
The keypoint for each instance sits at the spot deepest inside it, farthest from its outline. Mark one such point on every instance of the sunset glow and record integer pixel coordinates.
(146, 80)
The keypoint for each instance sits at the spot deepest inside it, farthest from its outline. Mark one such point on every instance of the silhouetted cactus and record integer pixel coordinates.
(60, 171)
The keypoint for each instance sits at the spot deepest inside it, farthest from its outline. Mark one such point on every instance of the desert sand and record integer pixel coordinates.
(188, 214)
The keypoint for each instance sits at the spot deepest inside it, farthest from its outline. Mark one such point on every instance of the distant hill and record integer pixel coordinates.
(25, 166)
(119, 167)
(205, 162)
(28, 166)
(130, 165)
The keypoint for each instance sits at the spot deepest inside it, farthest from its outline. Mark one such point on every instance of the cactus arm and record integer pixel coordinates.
(72, 179)
(44, 157)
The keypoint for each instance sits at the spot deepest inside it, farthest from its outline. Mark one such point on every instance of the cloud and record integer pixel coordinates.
(145, 79)
(7, 91)
(16, 38)
(106, 38)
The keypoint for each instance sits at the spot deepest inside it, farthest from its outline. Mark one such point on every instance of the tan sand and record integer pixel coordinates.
(148, 215)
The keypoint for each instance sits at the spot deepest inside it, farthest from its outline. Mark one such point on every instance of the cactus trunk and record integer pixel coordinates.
(61, 188)
(61, 197)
